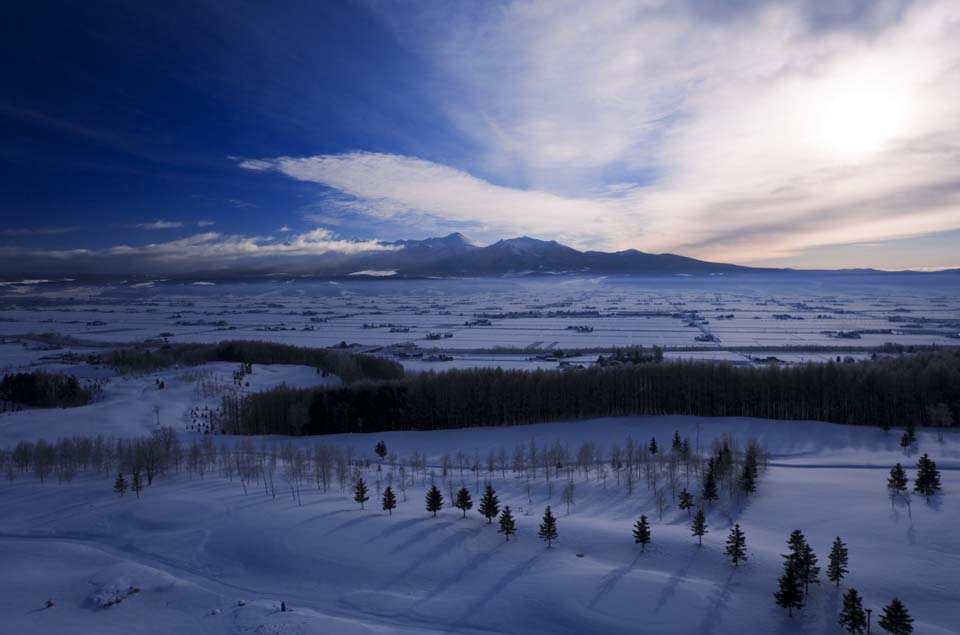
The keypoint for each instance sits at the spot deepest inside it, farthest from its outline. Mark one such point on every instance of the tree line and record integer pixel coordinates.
(349, 367)
(42, 389)
(912, 390)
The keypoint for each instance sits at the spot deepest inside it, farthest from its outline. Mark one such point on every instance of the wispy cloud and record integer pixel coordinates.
(209, 249)
(205, 223)
(738, 132)
(157, 224)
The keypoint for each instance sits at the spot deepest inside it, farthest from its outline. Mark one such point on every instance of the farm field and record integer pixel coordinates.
(516, 323)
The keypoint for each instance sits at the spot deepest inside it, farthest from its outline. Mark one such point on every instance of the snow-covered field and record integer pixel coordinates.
(199, 555)
(533, 316)
(206, 558)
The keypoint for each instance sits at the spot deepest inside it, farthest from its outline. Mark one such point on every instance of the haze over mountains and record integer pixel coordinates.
(454, 255)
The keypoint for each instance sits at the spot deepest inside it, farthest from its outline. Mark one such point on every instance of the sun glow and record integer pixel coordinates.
(857, 115)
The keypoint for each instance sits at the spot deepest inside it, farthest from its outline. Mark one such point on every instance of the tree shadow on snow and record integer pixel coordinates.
(718, 604)
(610, 581)
(495, 590)
(461, 574)
(349, 523)
(675, 580)
(441, 547)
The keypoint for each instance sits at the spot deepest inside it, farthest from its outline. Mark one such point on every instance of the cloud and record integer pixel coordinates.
(740, 131)
(36, 231)
(390, 186)
(157, 224)
(205, 223)
(205, 250)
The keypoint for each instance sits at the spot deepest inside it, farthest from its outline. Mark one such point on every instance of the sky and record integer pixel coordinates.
(795, 133)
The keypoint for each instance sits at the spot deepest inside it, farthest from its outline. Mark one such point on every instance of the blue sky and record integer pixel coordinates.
(790, 133)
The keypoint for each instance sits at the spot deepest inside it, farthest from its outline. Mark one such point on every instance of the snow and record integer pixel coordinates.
(197, 548)
(208, 559)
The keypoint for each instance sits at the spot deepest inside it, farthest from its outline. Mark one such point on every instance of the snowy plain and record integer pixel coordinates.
(208, 558)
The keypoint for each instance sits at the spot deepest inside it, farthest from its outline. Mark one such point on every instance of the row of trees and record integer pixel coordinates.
(348, 366)
(920, 389)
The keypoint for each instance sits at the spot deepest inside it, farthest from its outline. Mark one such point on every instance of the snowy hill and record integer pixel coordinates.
(207, 558)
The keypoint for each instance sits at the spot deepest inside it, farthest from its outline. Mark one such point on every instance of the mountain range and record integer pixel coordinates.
(455, 255)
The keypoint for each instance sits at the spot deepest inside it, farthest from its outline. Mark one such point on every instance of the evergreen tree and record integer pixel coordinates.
(789, 595)
(641, 533)
(686, 501)
(389, 500)
(548, 528)
(895, 618)
(653, 445)
(748, 477)
(699, 527)
(905, 442)
(736, 545)
(710, 483)
(464, 501)
(136, 485)
(507, 525)
(837, 567)
(489, 504)
(927, 482)
(897, 482)
(434, 500)
(677, 445)
(809, 570)
(360, 494)
(852, 618)
(120, 485)
(381, 449)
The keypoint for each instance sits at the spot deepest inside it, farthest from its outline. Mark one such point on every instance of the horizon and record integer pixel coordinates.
(793, 135)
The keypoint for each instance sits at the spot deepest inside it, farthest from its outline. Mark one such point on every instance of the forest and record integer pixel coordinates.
(348, 366)
(40, 389)
(913, 390)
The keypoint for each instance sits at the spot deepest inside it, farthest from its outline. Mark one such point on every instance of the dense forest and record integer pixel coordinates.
(348, 366)
(921, 389)
(41, 389)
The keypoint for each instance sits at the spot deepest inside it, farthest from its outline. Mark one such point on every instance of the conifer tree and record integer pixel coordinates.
(736, 545)
(927, 482)
(641, 533)
(120, 485)
(677, 445)
(748, 476)
(710, 483)
(653, 445)
(789, 595)
(897, 482)
(809, 570)
(389, 500)
(905, 442)
(686, 501)
(507, 525)
(837, 567)
(489, 504)
(360, 494)
(895, 618)
(381, 449)
(464, 502)
(548, 528)
(136, 485)
(699, 527)
(434, 500)
(852, 618)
